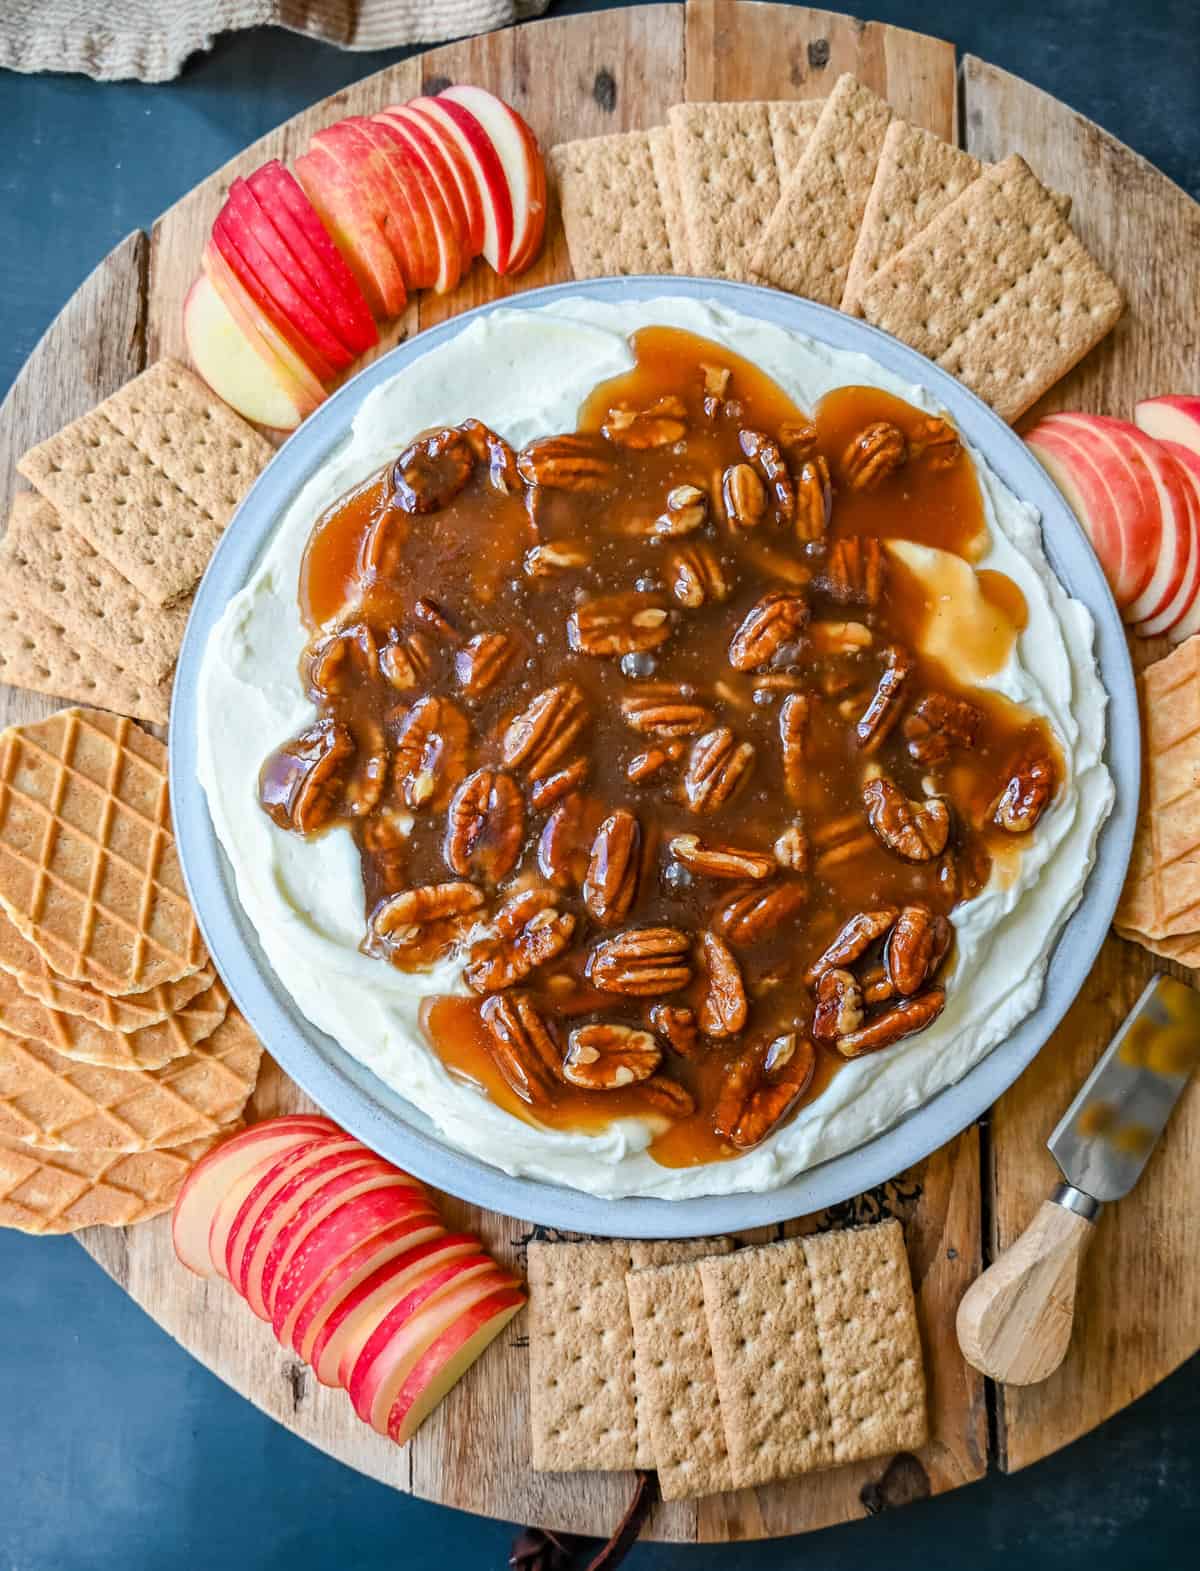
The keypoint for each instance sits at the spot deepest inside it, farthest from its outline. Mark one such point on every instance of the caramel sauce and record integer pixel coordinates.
(368, 562)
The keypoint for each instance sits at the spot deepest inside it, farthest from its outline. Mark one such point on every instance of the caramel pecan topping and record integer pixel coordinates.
(913, 831)
(751, 913)
(840, 840)
(854, 571)
(939, 724)
(685, 512)
(814, 500)
(645, 962)
(936, 441)
(839, 638)
(334, 661)
(423, 924)
(1023, 800)
(723, 1006)
(552, 788)
(522, 1047)
(718, 766)
(485, 827)
(697, 577)
(664, 711)
(369, 776)
(612, 876)
(406, 662)
(678, 1024)
(482, 661)
(720, 861)
(839, 1005)
(572, 462)
(528, 931)
(430, 756)
(543, 735)
(797, 439)
(605, 1057)
(661, 425)
(648, 765)
(764, 454)
(435, 619)
(432, 471)
(853, 941)
(906, 1018)
(792, 850)
(668, 1097)
(915, 949)
(495, 452)
(621, 624)
(795, 715)
(564, 848)
(883, 711)
(761, 1088)
(301, 783)
(770, 631)
(873, 455)
(555, 557)
(744, 496)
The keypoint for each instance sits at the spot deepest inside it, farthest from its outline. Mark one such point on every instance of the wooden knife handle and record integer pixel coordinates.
(1014, 1322)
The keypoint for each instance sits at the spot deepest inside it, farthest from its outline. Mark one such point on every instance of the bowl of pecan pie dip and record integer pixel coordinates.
(652, 741)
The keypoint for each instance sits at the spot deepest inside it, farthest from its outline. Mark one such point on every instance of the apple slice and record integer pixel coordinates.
(486, 170)
(348, 213)
(405, 1332)
(521, 159)
(426, 149)
(338, 1336)
(1088, 497)
(220, 1168)
(282, 199)
(440, 233)
(1175, 417)
(446, 1360)
(1180, 617)
(443, 149)
(355, 147)
(250, 277)
(302, 386)
(239, 1214)
(237, 368)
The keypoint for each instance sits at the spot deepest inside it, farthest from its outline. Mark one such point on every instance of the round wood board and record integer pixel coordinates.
(1140, 1298)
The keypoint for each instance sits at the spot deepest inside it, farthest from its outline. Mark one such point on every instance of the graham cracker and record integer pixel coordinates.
(88, 868)
(612, 208)
(728, 182)
(151, 476)
(47, 565)
(791, 124)
(817, 1352)
(39, 653)
(662, 156)
(132, 1012)
(1161, 898)
(83, 1041)
(45, 1192)
(52, 1102)
(654, 1252)
(997, 289)
(581, 1402)
(677, 1385)
(917, 176)
(807, 244)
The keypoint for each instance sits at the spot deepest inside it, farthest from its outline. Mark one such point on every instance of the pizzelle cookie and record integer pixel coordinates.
(88, 868)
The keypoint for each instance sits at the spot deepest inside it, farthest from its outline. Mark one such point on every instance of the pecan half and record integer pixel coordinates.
(761, 1088)
(770, 631)
(839, 1005)
(792, 850)
(750, 914)
(685, 512)
(718, 767)
(875, 453)
(840, 638)
(662, 424)
(764, 454)
(648, 765)
(301, 783)
(936, 441)
(611, 883)
(430, 755)
(644, 962)
(544, 734)
(572, 462)
(668, 1097)
(564, 848)
(1030, 786)
(938, 725)
(496, 453)
(795, 716)
(435, 619)
(335, 661)
(841, 840)
(482, 661)
(485, 826)
(406, 662)
(913, 831)
(528, 930)
(678, 1024)
(720, 861)
(814, 500)
(522, 1047)
(906, 1018)
(422, 924)
(723, 1006)
(852, 942)
(881, 714)
(432, 471)
(620, 624)
(605, 1057)
(854, 571)
(554, 557)
(697, 577)
(915, 949)
(744, 496)
(664, 710)
(716, 385)
(367, 780)
(552, 788)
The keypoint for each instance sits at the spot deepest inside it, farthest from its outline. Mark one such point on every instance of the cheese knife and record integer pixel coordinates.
(1014, 1323)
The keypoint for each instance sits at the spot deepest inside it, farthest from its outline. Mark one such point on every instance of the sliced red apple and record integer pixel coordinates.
(1180, 617)
(355, 147)
(250, 278)
(217, 1171)
(426, 148)
(486, 170)
(303, 388)
(521, 159)
(240, 1216)
(446, 1360)
(348, 213)
(238, 368)
(437, 143)
(1088, 497)
(1175, 417)
(283, 200)
(439, 231)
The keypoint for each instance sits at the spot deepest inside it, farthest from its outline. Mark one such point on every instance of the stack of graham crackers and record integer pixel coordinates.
(99, 563)
(1160, 906)
(841, 201)
(724, 1369)
(121, 1057)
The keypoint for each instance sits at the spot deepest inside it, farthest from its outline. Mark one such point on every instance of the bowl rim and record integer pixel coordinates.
(357, 1099)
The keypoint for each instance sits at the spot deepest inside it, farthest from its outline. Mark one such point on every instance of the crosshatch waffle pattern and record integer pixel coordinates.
(88, 868)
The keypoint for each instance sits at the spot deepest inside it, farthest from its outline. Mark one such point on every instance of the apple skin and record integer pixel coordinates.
(302, 386)
(238, 368)
(221, 1167)
(1087, 496)
(457, 124)
(1180, 618)
(1175, 417)
(521, 160)
(282, 199)
(349, 216)
(447, 1358)
(437, 142)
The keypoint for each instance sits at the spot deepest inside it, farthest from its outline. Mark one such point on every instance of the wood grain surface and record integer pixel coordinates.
(1140, 1303)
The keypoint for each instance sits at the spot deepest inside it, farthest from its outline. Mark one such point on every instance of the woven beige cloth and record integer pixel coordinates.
(151, 39)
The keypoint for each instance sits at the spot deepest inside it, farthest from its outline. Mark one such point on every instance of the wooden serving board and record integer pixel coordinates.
(1140, 1301)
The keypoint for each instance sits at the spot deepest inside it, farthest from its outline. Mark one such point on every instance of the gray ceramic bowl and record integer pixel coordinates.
(371, 1110)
